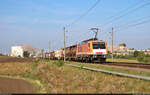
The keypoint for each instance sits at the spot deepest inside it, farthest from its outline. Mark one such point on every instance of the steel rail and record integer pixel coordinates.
(111, 72)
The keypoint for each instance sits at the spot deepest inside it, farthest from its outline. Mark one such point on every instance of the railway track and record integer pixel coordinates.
(133, 65)
(123, 64)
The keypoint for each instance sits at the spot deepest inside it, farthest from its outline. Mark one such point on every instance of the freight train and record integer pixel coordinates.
(91, 50)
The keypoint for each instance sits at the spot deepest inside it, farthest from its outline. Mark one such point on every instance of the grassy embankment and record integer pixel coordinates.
(55, 78)
(116, 69)
(137, 58)
(122, 60)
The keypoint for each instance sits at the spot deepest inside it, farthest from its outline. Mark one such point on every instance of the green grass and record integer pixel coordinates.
(67, 79)
(122, 60)
(116, 69)
(129, 60)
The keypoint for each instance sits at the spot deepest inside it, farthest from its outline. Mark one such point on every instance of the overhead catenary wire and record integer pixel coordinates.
(82, 35)
(84, 14)
(131, 22)
(134, 25)
(134, 21)
(126, 13)
(133, 10)
(122, 11)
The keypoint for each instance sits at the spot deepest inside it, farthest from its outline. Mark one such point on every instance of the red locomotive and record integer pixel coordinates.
(90, 50)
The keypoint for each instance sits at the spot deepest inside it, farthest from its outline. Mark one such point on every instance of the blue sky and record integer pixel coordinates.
(36, 22)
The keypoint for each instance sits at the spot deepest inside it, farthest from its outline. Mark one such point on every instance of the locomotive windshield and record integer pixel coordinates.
(98, 45)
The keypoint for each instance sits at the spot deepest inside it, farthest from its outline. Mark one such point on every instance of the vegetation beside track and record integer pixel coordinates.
(127, 70)
(22, 70)
(122, 60)
(135, 57)
(55, 77)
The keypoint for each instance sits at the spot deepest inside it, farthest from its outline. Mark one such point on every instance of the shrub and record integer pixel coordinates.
(19, 56)
(136, 53)
(36, 60)
(147, 55)
(59, 63)
(140, 58)
(81, 67)
(145, 60)
(1, 54)
(26, 54)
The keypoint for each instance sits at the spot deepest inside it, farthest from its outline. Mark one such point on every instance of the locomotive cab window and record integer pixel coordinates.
(98, 45)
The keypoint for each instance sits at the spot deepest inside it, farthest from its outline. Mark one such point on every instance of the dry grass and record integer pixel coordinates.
(135, 71)
(66, 79)
(18, 70)
(122, 60)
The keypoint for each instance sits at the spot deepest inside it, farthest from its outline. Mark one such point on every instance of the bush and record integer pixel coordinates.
(26, 54)
(136, 53)
(36, 60)
(59, 63)
(147, 55)
(1, 54)
(145, 60)
(140, 58)
(19, 56)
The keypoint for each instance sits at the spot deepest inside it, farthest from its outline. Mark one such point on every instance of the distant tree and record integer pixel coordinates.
(136, 53)
(19, 56)
(123, 44)
(26, 54)
(140, 58)
(131, 48)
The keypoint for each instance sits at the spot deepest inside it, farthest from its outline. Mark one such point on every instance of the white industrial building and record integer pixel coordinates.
(17, 51)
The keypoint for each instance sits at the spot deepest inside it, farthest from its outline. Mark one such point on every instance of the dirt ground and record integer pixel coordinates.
(5, 59)
(8, 85)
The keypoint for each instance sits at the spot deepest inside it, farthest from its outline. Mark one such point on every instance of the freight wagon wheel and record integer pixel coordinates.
(89, 60)
(103, 60)
(82, 60)
(86, 60)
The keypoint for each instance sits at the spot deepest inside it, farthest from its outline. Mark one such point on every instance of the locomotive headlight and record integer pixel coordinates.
(94, 56)
(104, 56)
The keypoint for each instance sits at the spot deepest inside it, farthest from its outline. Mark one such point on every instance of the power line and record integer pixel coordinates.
(130, 22)
(136, 24)
(122, 11)
(81, 35)
(132, 25)
(134, 21)
(84, 14)
(115, 19)
(126, 13)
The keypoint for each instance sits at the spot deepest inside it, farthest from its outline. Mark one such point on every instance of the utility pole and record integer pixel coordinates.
(64, 45)
(42, 53)
(49, 50)
(112, 43)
